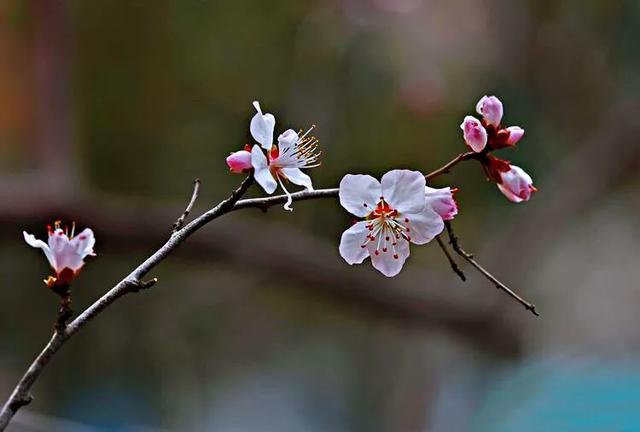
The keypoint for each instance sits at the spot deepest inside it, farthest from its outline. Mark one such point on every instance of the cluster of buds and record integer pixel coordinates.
(488, 134)
(65, 252)
(283, 162)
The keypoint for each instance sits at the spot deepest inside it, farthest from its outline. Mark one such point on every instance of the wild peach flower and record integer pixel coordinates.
(395, 214)
(240, 161)
(516, 185)
(442, 202)
(490, 108)
(64, 251)
(475, 135)
(284, 161)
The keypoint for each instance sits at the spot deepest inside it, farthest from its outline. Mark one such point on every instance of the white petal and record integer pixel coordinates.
(351, 243)
(424, 226)
(385, 262)
(261, 170)
(298, 177)
(359, 194)
(33, 242)
(404, 190)
(262, 126)
(84, 242)
(69, 258)
(287, 139)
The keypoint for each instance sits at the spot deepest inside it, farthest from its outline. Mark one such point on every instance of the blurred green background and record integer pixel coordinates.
(109, 110)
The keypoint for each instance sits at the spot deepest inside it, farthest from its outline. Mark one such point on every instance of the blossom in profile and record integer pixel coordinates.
(64, 251)
(394, 214)
(442, 201)
(283, 162)
(516, 185)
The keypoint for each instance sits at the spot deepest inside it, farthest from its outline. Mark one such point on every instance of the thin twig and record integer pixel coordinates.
(447, 168)
(455, 244)
(194, 196)
(454, 266)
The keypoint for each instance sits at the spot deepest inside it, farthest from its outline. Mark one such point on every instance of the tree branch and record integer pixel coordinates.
(133, 282)
(453, 240)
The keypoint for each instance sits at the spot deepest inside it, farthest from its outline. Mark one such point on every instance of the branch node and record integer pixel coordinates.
(135, 286)
(20, 401)
(194, 196)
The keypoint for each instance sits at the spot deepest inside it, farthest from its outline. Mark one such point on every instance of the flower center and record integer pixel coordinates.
(386, 228)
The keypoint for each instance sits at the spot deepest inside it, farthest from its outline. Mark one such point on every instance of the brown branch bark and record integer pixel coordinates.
(133, 282)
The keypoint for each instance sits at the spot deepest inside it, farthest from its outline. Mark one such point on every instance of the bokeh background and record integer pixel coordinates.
(109, 110)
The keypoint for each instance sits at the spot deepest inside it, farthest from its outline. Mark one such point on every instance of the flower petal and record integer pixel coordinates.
(261, 170)
(69, 258)
(239, 161)
(33, 242)
(359, 193)
(295, 176)
(351, 243)
(442, 202)
(403, 190)
(424, 226)
(389, 263)
(475, 135)
(84, 243)
(262, 126)
(491, 110)
(286, 140)
(517, 185)
(515, 134)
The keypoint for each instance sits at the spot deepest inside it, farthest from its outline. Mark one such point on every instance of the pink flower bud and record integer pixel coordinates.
(515, 133)
(475, 135)
(239, 161)
(442, 202)
(491, 110)
(516, 185)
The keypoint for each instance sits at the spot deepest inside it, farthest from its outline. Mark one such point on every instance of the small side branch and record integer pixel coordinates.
(194, 196)
(447, 168)
(455, 244)
(454, 265)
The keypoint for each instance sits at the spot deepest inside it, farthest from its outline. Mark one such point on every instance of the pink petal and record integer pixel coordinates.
(475, 135)
(239, 161)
